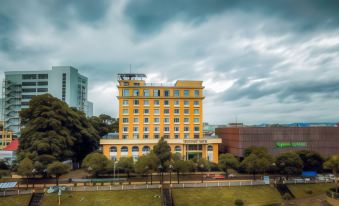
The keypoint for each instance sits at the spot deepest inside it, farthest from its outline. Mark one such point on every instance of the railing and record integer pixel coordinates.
(15, 192)
(306, 181)
(112, 187)
(160, 84)
(219, 184)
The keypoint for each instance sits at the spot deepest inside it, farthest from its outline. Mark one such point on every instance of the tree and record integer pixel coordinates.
(104, 124)
(163, 151)
(54, 131)
(57, 169)
(255, 163)
(182, 166)
(333, 164)
(147, 164)
(126, 164)
(95, 163)
(289, 164)
(255, 150)
(312, 161)
(25, 168)
(228, 161)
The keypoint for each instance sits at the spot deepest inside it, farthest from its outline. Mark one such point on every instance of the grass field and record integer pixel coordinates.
(20, 200)
(224, 196)
(105, 198)
(308, 190)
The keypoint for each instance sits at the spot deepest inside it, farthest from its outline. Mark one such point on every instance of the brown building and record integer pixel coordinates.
(277, 140)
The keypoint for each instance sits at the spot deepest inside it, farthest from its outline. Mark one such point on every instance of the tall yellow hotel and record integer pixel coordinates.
(149, 111)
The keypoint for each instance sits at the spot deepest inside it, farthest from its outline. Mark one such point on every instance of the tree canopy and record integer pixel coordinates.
(312, 161)
(105, 124)
(228, 161)
(163, 151)
(96, 163)
(57, 169)
(289, 163)
(54, 131)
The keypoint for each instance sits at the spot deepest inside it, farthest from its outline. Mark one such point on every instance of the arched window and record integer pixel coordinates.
(124, 149)
(177, 149)
(135, 149)
(146, 149)
(113, 149)
(210, 148)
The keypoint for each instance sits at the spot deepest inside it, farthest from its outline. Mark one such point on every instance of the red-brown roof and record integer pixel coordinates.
(13, 146)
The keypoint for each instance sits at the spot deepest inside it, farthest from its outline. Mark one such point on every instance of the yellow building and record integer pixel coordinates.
(149, 111)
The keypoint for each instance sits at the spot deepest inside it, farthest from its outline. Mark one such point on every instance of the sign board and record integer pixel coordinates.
(290, 144)
(267, 180)
(195, 141)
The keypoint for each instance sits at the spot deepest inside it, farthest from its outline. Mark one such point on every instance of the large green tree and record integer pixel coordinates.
(105, 124)
(57, 169)
(54, 131)
(147, 164)
(96, 163)
(228, 161)
(126, 164)
(163, 151)
(25, 168)
(312, 161)
(289, 164)
(333, 164)
(257, 162)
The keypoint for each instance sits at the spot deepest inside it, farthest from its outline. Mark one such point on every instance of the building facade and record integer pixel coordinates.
(149, 111)
(63, 82)
(277, 140)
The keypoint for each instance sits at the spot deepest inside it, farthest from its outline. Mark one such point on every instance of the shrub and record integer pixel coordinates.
(287, 196)
(238, 202)
(309, 191)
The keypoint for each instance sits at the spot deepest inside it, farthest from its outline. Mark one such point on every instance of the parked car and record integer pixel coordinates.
(219, 177)
(231, 175)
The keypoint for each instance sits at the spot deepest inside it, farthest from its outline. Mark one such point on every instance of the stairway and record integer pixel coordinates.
(282, 188)
(167, 196)
(36, 199)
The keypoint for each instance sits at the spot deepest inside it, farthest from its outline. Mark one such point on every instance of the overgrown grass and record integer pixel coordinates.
(308, 190)
(18, 200)
(223, 196)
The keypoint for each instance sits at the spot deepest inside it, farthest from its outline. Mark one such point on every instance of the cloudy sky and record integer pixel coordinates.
(261, 61)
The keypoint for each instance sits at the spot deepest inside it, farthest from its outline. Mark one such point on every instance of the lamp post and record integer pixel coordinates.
(201, 169)
(114, 167)
(146, 170)
(33, 172)
(170, 171)
(59, 195)
(160, 168)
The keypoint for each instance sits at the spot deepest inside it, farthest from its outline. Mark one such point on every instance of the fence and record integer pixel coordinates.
(219, 184)
(306, 181)
(111, 187)
(15, 192)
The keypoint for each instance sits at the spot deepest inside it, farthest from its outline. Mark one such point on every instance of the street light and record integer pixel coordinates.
(170, 170)
(115, 162)
(146, 169)
(201, 169)
(160, 168)
(33, 172)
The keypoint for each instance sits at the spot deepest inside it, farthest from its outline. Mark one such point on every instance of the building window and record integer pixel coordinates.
(124, 136)
(176, 93)
(186, 120)
(176, 129)
(42, 83)
(125, 92)
(125, 111)
(146, 93)
(29, 90)
(146, 102)
(186, 93)
(125, 102)
(136, 111)
(166, 102)
(63, 93)
(196, 111)
(126, 83)
(113, 149)
(146, 111)
(135, 136)
(42, 76)
(166, 129)
(186, 111)
(176, 136)
(166, 120)
(196, 120)
(196, 103)
(186, 129)
(136, 102)
(146, 136)
(166, 136)
(146, 150)
(146, 129)
(42, 90)
(210, 148)
(125, 129)
(156, 102)
(186, 103)
(156, 93)
(135, 129)
(196, 136)
(156, 136)
(146, 120)
(156, 120)
(176, 103)
(136, 84)
(156, 129)
(136, 120)
(177, 149)
(135, 92)
(125, 120)
(176, 111)
(29, 76)
(196, 129)
(156, 111)
(124, 149)
(196, 93)
(166, 111)
(176, 120)
(166, 93)
(28, 83)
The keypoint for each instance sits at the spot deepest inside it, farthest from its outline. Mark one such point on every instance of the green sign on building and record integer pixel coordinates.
(290, 144)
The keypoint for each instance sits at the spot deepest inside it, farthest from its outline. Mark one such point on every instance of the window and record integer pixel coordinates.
(146, 120)
(28, 83)
(136, 120)
(125, 102)
(196, 129)
(156, 136)
(176, 129)
(156, 103)
(125, 92)
(176, 103)
(125, 120)
(196, 93)
(166, 111)
(135, 129)
(42, 90)
(166, 136)
(113, 149)
(126, 83)
(186, 111)
(125, 111)
(28, 90)
(135, 92)
(186, 103)
(156, 120)
(176, 93)
(177, 149)
(166, 102)
(186, 93)
(145, 136)
(27, 96)
(176, 136)
(166, 93)
(166, 120)
(176, 120)
(29, 76)
(186, 136)
(196, 111)
(196, 103)
(42, 76)
(136, 102)
(146, 129)
(196, 120)
(136, 111)
(156, 111)
(125, 129)
(186, 129)
(136, 84)
(146, 93)
(135, 136)
(146, 102)
(176, 111)
(124, 149)
(166, 129)
(42, 83)
(186, 120)
(124, 136)
(156, 129)
(146, 111)
(156, 92)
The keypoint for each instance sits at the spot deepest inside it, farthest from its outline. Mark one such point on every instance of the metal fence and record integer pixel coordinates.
(112, 187)
(219, 184)
(15, 192)
(306, 181)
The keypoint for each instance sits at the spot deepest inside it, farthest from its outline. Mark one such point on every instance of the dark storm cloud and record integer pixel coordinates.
(152, 15)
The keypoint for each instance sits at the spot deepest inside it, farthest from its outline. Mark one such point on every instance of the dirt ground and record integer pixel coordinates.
(312, 201)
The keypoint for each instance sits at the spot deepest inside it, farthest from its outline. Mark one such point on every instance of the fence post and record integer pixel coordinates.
(147, 186)
(229, 183)
(240, 183)
(133, 186)
(110, 187)
(218, 184)
(252, 182)
(97, 188)
(122, 187)
(183, 185)
(18, 192)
